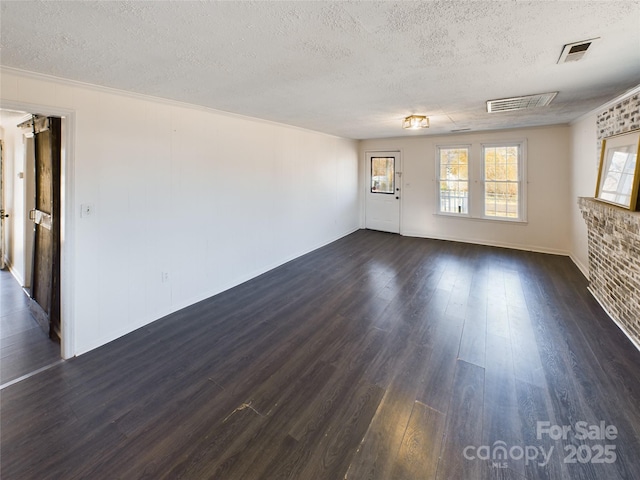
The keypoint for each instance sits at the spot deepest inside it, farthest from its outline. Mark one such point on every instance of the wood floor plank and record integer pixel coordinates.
(266, 395)
(474, 333)
(526, 358)
(315, 453)
(463, 425)
(501, 424)
(534, 407)
(249, 459)
(377, 453)
(439, 378)
(350, 370)
(330, 457)
(419, 453)
(157, 446)
(203, 457)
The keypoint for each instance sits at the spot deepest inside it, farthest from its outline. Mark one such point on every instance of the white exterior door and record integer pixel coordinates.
(382, 196)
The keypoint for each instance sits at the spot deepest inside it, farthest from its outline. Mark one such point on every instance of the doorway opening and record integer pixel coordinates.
(32, 178)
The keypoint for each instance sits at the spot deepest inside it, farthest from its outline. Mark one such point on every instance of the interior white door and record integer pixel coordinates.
(382, 204)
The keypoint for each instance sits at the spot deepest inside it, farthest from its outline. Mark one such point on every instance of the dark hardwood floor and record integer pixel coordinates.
(24, 347)
(375, 357)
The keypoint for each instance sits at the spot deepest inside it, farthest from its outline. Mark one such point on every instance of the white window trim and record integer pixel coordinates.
(476, 182)
(469, 181)
(522, 180)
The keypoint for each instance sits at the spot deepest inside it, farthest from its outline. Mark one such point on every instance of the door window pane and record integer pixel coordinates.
(382, 174)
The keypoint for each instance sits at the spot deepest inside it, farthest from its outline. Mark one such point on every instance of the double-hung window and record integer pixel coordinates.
(485, 181)
(503, 181)
(453, 180)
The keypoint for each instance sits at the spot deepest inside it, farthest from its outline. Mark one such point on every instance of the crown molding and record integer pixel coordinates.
(150, 98)
(604, 106)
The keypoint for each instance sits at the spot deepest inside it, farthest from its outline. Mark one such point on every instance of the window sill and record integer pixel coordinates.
(482, 219)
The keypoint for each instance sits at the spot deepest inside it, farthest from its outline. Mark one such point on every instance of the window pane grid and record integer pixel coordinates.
(621, 166)
(501, 199)
(502, 181)
(454, 180)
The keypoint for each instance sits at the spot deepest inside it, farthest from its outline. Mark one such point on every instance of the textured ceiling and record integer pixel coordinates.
(353, 69)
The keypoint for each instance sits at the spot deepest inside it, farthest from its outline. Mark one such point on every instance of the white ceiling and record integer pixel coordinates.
(353, 69)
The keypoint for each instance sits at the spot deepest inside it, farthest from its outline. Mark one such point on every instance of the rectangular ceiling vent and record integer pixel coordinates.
(520, 103)
(572, 52)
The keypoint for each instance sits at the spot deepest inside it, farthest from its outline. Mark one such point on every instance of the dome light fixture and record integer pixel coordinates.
(416, 122)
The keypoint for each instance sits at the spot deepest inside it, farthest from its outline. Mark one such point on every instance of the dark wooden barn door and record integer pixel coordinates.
(45, 288)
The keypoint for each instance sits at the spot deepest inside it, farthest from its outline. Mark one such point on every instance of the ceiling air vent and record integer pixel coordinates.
(572, 52)
(520, 103)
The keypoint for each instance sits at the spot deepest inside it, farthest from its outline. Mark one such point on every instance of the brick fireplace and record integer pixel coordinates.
(614, 261)
(614, 234)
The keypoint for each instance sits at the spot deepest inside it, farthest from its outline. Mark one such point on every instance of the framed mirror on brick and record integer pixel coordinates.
(619, 171)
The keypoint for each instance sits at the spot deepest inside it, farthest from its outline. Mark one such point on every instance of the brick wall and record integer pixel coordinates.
(614, 261)
(614, 233)
(622, 117)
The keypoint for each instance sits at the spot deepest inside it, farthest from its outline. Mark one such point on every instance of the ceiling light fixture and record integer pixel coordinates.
(416, 122)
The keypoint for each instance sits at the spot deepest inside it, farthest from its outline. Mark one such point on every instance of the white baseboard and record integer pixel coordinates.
(526, 248)
(620, 326)
(582, 267)
(14, 272)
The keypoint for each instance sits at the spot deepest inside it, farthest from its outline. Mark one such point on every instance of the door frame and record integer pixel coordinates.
(2, 229)
(366, 185)
(2, 204)
(29, 204)
(67, 220)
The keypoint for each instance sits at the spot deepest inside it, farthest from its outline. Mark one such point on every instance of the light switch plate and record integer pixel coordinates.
(86, 209)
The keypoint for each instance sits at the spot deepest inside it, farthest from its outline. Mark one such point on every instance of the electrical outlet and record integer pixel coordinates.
(165, 277)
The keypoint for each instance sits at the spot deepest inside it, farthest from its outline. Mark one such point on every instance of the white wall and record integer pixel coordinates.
(14, 200)
(548, 157)
(213, 199)
(584, 174)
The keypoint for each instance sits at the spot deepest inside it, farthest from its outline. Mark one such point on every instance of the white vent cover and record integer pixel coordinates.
(520, 103)
(572, 52)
